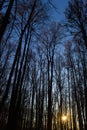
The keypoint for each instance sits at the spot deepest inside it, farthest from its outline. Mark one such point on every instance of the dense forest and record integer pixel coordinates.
(43, 66)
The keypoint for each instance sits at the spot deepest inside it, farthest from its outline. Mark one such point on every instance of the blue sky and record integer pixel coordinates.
(60, 5)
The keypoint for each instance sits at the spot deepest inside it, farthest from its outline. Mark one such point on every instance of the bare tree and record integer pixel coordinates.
(76, 14)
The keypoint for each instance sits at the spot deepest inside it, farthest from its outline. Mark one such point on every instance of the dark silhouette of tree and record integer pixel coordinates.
(49, 43)
(30, 18)
(76, 14)
(76, 23)
(6, 18)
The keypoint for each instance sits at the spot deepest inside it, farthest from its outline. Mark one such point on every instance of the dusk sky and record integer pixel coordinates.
(60, 5)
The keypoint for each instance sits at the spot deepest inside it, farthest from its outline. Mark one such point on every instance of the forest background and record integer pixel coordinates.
(43, 65)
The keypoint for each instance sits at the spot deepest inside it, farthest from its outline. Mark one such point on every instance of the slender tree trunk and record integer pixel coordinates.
(32, 104)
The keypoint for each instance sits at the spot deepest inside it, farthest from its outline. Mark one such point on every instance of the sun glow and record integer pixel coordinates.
(64, 118)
